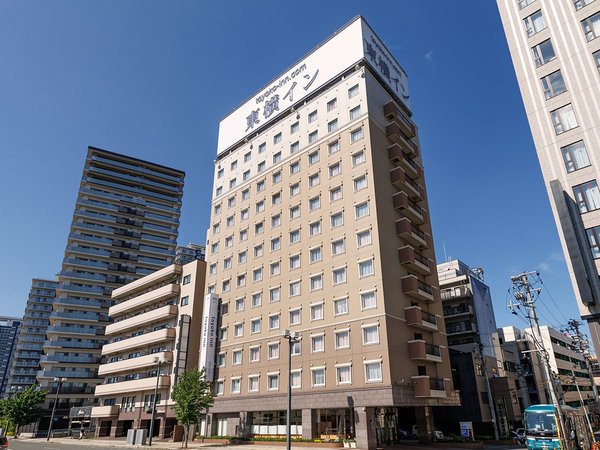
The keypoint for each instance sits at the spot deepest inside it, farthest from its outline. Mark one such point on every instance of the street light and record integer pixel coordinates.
(292, 338)
(60, 381)
(159, 362)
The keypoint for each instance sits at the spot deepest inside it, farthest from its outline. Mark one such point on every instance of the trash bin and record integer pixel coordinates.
(140, 437)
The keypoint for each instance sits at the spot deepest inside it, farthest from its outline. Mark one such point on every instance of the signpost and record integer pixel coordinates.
(466, 430)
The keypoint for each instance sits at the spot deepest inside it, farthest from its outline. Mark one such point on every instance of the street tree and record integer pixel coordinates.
(23, 407)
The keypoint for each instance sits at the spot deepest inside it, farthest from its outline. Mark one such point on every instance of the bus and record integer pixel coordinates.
(541, 428)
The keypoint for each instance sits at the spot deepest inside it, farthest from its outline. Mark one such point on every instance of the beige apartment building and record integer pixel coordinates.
(320, 226)
(156, 319)
(556, 55)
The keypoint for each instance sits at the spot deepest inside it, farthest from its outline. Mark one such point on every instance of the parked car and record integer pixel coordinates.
(436, 433)
(404, 434)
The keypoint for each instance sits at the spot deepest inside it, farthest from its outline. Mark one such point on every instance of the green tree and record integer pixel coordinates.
(23, 407)
(192, 396)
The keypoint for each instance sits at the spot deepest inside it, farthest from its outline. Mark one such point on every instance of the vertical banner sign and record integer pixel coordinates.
(209, 335)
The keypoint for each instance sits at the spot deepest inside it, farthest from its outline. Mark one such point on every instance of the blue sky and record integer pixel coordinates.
(152, 79)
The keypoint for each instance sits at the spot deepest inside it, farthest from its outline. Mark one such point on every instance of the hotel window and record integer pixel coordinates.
(331, 104)
(524, 3)
(187, 279)
(220, 173)
(294, 289)
(353, 91)
(274, 351)
(212, 269)
(294, 236)
(294, 127)
(312, 137)
(587, 196)
(260, 186)
(218, 209)
(257, 275)
(342, 339)
(563, 119)
(294, 168)
(315, 255)
(230, 222)
(316, 312)
(318, 377)
(575, 156)
(337, 247)
(363, 238)
(273, 382)
(312, 116)
(274, 295)
(246, 175)
(259, 228)
(315, 228)
(317, 344)
(232, 183)
(228, 241)
(276, 177)
(275, 244)
(360, 183)
(231, 202)
(340, 306)
(337, 220)
(591, 26)
(295, 317)
(596, 56)
(255, 352)
(220, 387)
(355, 113)
(238, 331)
(534, 23)
(274, 322)
(261, 166)
(356, 135)
(335, 194)
(258, 251)
(276, 221)
(361, 210)
(254, 328)
(241, 280)
(223, 333)
(313, 180)
(277, 138)
(581, 3)
(216, 228)
(296, 349)
(373, 372)
(339, 276)
(276, 157)
(219, 191)
(185, 300)
(333, 147)
(294, 189)
(212, 289)
(243, 235)
(314, 203)
(236, 385)
(553, 84)
(221, 360)
(294, 147)
(245, 194)
(365, 268)
(244, 214)
(334, 170)
(294, 212)
(358, 158)
(253, 384)
(260, 206)
(242, 257)
(239, 303)
(296, 381)
(234, 165)
(316, 283)
(256, 299)
(262, 147)
(247, 156)
(371, 335)
(344, 375)
(332, 126)
(543, 53)
(313, 158)
(237, 357)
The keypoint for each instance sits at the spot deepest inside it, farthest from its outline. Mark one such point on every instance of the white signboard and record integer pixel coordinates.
(354, 42)
(466, 429)
(209, 335)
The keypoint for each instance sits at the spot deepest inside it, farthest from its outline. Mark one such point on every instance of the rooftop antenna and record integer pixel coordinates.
(445, 254)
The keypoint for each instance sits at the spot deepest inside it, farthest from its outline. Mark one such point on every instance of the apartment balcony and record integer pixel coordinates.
(419, 350)
(414, 260)
(75, 330)
(72, 344)
(400, 159)
(162, 293)
(409, 208)
(394, 113)
(105, 411)
(82, 303)
(404, 183)
(417, 318)
(458, 311)
(154, 278)
(134, 363)
(426, 386)
(158, 314)
(406, 230)
(455, 292)
(70, 359)
(79, 316)
(154, 337)
(76, 374)
(415, 288)
(456, 329)
(394, 134)
(123, 387)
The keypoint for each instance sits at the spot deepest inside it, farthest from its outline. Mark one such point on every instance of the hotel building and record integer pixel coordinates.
(156, 319)
(124, 227)
(556, 55)
(319, 225)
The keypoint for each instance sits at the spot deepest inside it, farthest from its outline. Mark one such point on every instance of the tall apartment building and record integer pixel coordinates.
(556, 55)
(124, 227)
(156, 318)
(25, 363)
(187, 253)
(319, 225)
(9, 331)
(468, 310)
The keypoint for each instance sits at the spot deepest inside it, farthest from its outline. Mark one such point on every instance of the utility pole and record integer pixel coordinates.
(524, 296)
(478, 350)
(581, 345)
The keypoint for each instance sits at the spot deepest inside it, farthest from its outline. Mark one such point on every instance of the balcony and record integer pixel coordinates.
(400, 159)
(79, 316)
(419, 350)
(455, 292)
(68, 375)
(139, 341)
(394, 134)
(457, 311)
(409, 208)
(123, 387)
(455, 329)
(414, 287)
(406, 230)
(70, 359)
(148, 298)
(105, 411)
(414, 260)
(393, 112)
(133, 363)
(401, 181)
(166, 312)
(426, 386)
(146, 281)
(416, 317)
(72, 344)
(75, 330)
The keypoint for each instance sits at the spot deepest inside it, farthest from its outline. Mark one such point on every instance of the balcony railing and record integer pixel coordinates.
(437, 384)
(428, 317)
(424, 287)
(456, 292)
(433, 350)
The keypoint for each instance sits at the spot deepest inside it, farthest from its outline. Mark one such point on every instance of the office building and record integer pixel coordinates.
(156, 318)
(188, 253)
(25, 363)
(9, 331)
(556, 55)
(468, 311)
(124, 227)
(319, 225)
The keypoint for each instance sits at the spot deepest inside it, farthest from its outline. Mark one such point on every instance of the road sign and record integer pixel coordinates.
(466, 429)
